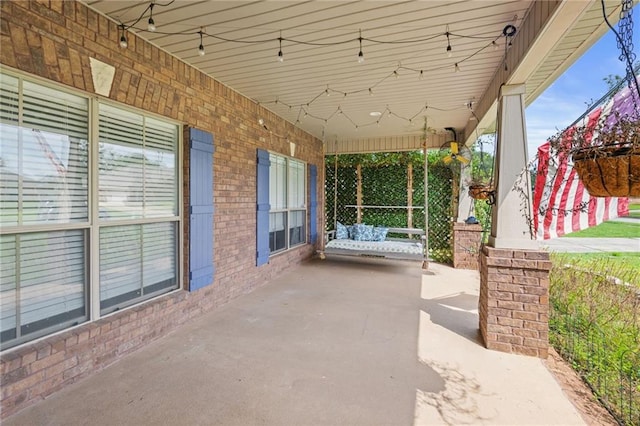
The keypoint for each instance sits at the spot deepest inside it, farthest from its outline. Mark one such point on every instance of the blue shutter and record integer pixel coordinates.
(262, 208)
(201, 269)
(313, 215)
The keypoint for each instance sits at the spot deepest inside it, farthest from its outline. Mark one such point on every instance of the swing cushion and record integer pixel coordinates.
(342, 232)
(379, 233)
(362, 232)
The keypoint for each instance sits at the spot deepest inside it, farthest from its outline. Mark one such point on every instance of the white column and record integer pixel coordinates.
(465, 203)
(511, 216)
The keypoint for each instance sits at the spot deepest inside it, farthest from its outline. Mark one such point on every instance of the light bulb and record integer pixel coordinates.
(449, 52)
(370, 92)
(495, 45)
(421, 77)
(395, 74)
(123, 42)
(152, 25)
(456, 68)
(201, 47)
(360, 57)
(280, 56)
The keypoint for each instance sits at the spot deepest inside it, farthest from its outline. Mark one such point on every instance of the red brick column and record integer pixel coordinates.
(514, 300)
(466, 245)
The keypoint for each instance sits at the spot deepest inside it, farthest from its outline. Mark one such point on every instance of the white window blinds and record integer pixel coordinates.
(43, 158)
(136, 261)
(138, 177)
(43, 281)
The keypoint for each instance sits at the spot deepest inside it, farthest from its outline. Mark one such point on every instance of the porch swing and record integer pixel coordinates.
(381, 242)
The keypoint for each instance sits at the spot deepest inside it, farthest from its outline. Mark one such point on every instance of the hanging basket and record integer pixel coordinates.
(480, 191)
(609, 171)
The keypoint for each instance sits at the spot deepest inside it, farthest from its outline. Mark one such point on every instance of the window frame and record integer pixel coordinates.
(101, 223)
(288, 210)
(90, 228)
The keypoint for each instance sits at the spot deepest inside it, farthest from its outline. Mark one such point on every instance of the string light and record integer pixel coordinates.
(201, 47)
(508, 32)
(152, 25)
(123, 38)
(280, 55)
(360, 54)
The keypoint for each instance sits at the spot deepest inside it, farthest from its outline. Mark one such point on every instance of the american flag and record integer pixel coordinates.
(561, 204)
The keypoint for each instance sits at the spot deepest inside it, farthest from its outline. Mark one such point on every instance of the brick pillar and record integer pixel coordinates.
(514, 300)
(466, 245)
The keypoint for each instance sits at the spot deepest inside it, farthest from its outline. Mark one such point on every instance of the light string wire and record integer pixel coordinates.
(151, 4)
(303, 108)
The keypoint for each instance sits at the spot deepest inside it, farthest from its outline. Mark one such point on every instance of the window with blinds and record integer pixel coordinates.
(43, 185)
(43, 157)
(136, 261)
(287, 200)
(46, 202)
(137, 181)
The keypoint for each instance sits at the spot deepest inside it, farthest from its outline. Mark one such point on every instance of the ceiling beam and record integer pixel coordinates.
(544, 27)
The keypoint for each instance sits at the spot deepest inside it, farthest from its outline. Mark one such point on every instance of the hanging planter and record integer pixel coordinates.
(479, 191)
(611, 171)
(607, 158)
(605, 154)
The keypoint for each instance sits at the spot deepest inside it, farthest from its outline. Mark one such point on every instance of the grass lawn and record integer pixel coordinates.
(614, 260)
(609, 230)
(635, 213)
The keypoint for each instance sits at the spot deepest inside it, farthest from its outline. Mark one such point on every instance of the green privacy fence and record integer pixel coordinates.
(387, 189)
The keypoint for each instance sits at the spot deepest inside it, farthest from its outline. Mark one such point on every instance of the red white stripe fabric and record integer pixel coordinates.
(561, 204)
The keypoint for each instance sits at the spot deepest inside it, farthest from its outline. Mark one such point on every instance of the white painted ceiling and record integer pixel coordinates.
(298, 85)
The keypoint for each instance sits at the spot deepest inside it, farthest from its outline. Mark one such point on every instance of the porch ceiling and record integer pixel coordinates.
(298, 84)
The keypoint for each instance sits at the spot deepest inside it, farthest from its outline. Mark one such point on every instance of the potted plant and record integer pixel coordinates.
(480, 189)
(605, 154)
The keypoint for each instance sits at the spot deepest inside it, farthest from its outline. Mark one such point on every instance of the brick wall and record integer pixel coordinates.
(54, 40)
(514, 300)
(466, 245)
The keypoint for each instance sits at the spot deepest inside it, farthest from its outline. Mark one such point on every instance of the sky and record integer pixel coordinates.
(581, 84)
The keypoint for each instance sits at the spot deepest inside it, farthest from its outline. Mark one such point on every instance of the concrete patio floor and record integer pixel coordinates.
(333, 342)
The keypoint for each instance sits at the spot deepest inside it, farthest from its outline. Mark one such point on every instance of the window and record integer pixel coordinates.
(43, 209)
(287, 200)
(49, 212)
(138, 183)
